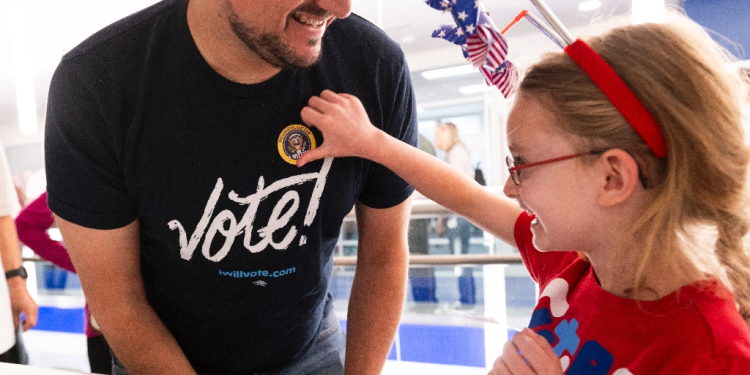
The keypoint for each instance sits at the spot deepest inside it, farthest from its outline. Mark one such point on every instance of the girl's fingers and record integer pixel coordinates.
(311, 116)
(499, 368)
(318, 103)
(345, 102)
(341, 119)
(541, 342)
(348, 97)
(539, 353)
(312, 155)
(330, 104)
(514, 361)
(332, 96)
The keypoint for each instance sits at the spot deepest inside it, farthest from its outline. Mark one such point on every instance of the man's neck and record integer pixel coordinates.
(221, 48)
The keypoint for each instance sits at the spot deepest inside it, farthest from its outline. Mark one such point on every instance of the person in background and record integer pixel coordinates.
(422, 279)
(15, 300)
(32, 225)
(457, 228)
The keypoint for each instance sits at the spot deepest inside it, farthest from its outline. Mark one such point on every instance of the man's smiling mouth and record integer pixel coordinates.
(302, 18)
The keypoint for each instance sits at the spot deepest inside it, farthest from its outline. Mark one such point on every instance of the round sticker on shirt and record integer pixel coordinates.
(294, 141)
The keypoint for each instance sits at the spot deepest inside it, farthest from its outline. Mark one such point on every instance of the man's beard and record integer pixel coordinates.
(270, 47)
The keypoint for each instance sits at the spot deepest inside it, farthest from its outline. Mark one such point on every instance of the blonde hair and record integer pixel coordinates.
(677, 71)
(452, 132)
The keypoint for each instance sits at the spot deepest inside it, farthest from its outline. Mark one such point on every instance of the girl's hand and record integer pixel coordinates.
(344, 123)
(536, 356)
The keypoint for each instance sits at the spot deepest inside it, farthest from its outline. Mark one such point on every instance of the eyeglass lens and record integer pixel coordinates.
(514, 174)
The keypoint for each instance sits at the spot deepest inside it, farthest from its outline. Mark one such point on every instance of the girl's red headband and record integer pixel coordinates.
(619, 94)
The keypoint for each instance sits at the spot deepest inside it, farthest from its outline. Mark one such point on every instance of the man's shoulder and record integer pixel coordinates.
(359, 34)
(116, 35)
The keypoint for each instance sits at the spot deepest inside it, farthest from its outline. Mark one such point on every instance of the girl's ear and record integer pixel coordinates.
(619, 177)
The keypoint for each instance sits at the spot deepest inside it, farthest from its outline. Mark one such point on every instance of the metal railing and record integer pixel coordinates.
(424, 207)
(414, 260)
(443, 260)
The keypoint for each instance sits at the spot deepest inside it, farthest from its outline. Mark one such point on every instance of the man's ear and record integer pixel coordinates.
(620, 177)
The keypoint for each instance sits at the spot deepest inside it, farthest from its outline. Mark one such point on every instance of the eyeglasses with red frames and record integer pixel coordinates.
(515, 170)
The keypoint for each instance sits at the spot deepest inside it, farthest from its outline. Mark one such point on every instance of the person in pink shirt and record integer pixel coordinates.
(32, 224)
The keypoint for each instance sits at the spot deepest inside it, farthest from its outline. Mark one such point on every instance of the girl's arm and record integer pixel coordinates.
(347, 131)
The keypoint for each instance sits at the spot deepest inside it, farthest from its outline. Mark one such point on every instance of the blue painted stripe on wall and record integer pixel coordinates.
(60, 320)
(446, 345)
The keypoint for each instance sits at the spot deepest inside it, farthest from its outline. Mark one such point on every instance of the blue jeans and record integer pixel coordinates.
(325, 357)
(466, 285)
(423, 283)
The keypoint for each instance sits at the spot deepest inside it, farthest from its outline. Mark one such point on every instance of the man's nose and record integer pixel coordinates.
(339, 8)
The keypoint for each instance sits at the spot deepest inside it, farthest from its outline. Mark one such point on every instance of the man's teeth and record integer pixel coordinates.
(302, 18)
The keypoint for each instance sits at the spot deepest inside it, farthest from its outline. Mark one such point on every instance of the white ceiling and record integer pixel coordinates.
(55, 26)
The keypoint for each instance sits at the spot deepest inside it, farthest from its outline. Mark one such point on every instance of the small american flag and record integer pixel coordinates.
(451, 33)
(442, 5)
(482, 44)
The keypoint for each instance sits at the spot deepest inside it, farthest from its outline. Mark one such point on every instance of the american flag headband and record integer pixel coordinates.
(486, 48)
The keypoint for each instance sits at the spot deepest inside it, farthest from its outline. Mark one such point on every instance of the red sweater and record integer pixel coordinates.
(32, 224)
(695, 330)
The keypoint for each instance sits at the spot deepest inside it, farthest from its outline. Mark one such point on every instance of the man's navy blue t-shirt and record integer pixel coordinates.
(236, 243)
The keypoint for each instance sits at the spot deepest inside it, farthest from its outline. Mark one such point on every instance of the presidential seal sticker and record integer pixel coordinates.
(294, 141)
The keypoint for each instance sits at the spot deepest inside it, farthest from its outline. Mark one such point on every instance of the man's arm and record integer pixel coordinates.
(10, 252)
(379, 286)
(108, 264)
